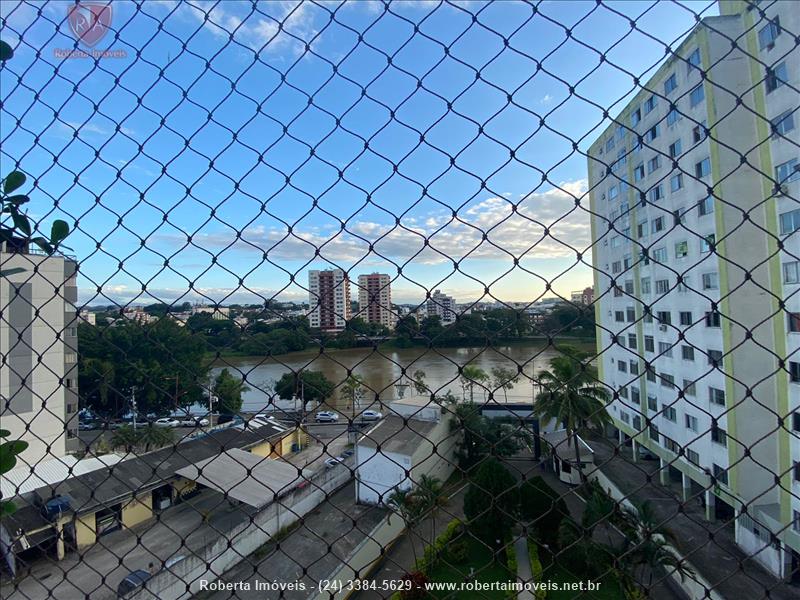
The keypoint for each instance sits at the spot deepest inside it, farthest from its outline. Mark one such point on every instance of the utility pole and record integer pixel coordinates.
(133, 405)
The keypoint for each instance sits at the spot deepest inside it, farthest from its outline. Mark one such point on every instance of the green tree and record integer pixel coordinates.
(126, 437)
(543, 508)
(491, 502)
(9, 450)
(504, 379)
(351, 390)
(572, 396)
(152, 436)
(419, 382)
(229, 390)
(470, 377)
(313, 385)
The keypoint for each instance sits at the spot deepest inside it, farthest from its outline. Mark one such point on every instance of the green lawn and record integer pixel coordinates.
(557, 572)
(486, 570)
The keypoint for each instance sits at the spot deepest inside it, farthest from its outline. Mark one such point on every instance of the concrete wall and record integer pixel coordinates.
(231, 547)
(364, 557)
(263, 449)
(764, 552)
(85, 533)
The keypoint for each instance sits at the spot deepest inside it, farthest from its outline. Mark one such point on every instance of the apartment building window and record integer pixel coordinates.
(636, 117)
(703, 168)
(616, 241)
(70, 358)
(691, 423)
(662, 286)
(769, 33)
(613, 192)
(783, 123)
(675, 148)
(656, 193)
(714, 358)
(629, 287)
(622, 366)
(718, 435)
(630, 313)
(620, 132)
(619, 316)
(676, 182)
(653, 164)
(693, 457)
(796, 521)
(667, 380)
(708, 243)
(694, 60)
(616, 267)
(657, 224)
(638, 172)
(696, 96)
(776, 77)
(791, 272)
(720, 474)
(797, 471)
(665, 349)
(634, 367)
(652, 133)
(685, 317)
(794, 322)
(790, 221)
(670, 414)
(622, 158)
(689, 388)
(623, 392)
(660, 255)
(683, 286)
(626, 262)
(796, 421)
(670, 84)
(710, 281)
(673, 116)
(650, 373)
(653, 433)
(794, 372)
(652, 403)
(637, 423)
(632, 341)
(649, 343)
(610, 143)
(712, 319)
(699, 132)
(682, 249)
(672, 445)
(618, 292)
(650, 103)
(626, 418)
(645, 285)
(788, 171)
(68, 383)
(635, 395)
(705, 206)
(664, 317)
(716, 396)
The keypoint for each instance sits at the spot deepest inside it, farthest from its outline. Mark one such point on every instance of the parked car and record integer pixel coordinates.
(167, 422)
(347, 453)
(327, 416)
(88, 425)
(133, 581)
(332, 462)
(371, 415)
(192, 421)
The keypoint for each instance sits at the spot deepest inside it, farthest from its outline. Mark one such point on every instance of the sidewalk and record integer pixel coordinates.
(718, 559)
(524, 573)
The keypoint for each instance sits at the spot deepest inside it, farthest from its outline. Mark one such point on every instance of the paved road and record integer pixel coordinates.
(524, 573)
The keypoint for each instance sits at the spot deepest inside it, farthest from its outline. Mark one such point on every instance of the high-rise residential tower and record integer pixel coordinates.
(696, 231)
(443, 306)
(39, 343)
(328, 299)
(375, 299)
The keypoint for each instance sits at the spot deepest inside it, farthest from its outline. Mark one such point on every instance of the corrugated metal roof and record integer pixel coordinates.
(48, 472)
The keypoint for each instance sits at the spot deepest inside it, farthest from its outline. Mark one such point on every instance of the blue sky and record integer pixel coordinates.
(264, 142)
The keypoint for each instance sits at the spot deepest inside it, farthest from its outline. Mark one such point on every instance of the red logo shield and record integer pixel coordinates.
(89, 21)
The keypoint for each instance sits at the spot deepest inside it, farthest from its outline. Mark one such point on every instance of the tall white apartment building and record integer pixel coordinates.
(328, 299)
(696, 272)
(38, 343)
(375, 299)
(443, 306)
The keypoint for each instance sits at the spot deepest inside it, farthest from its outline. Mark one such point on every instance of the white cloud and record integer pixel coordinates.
(546, 99)
(544, 225)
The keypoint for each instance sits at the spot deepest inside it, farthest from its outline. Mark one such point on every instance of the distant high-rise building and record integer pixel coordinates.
(39, 343)
(698, 312)
(328, 299)
(375, 299)
(584, 296)
(443, 306)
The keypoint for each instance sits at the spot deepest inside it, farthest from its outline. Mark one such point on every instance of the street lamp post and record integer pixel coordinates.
(133, 405)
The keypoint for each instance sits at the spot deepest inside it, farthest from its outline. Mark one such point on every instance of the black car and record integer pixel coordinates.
(134, 581)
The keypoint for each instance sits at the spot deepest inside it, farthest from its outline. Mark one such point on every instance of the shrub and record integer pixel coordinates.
(536, 567)
(544, 508)
(457, 551)
(433, 552)
(492, 502)
(417, 591)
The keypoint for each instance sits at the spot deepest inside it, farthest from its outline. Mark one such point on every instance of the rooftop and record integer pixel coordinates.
(395, 434)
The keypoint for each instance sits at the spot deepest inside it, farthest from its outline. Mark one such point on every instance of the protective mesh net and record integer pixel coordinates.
(286, 301)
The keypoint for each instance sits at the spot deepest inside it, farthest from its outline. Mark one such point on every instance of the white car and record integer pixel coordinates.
(327, 416)
(167, 422)
(332, 462)
(190, 421)
(371, 415)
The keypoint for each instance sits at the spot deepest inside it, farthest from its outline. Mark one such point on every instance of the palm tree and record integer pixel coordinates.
(352, 388)
(153, 436)
(430, 497)
(573, 397)
(403, 502)
(125, 437)
(470, 375)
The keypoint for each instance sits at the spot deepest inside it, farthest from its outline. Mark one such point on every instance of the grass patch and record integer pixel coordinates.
(556, 572)
(479, 558)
